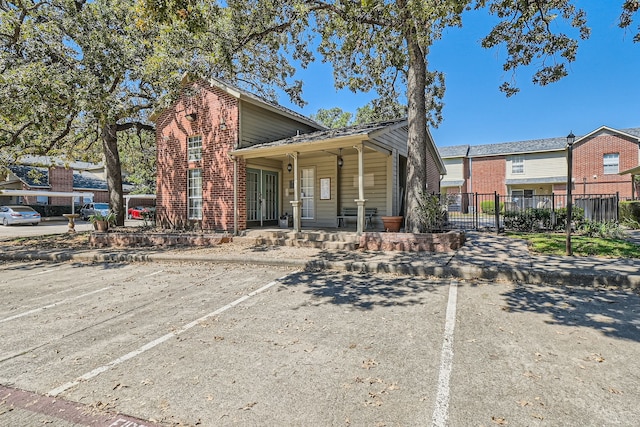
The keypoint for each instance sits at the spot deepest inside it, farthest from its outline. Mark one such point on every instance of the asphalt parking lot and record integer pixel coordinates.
(214, 345)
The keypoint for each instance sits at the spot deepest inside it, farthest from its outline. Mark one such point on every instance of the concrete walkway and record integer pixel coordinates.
(484, 256)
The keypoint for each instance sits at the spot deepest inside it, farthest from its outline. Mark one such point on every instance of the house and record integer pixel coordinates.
(539, 167)
(230, 160)
(33, 178)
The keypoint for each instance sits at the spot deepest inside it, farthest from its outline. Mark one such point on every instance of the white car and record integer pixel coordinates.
(10, 215)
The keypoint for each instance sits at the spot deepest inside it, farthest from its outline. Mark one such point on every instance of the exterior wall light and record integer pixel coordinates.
(289, 167)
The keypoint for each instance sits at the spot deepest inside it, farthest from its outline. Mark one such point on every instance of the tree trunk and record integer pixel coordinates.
(114, 171)
(416, 144)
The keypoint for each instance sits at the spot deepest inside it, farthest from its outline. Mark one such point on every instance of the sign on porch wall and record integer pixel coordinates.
(325, 188)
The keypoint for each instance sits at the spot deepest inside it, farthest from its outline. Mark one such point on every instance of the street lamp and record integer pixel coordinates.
(570, 139)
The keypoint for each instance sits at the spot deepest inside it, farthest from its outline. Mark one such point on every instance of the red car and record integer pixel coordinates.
(140, 212)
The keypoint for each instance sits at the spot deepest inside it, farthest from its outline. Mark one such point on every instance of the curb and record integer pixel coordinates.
(533, 275)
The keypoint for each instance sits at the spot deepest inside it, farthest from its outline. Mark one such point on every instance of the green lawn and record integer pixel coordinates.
(555, 244)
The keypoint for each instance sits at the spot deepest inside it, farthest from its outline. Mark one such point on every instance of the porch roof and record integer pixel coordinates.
(632, 171)
(547, 180)
(325, 139)
(452, 183)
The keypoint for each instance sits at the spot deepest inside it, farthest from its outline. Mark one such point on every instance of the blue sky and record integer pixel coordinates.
(602, 87)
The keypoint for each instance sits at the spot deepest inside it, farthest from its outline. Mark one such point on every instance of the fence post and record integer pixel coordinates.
(617, 206)
(497, 211)
(475, 211)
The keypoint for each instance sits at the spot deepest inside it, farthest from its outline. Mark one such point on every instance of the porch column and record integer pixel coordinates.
(296, 202)
(360, 201)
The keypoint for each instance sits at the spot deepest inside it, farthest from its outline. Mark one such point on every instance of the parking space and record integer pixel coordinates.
(189, 344)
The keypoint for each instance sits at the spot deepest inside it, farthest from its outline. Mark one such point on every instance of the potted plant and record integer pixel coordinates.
(392, 224)
(101, 222)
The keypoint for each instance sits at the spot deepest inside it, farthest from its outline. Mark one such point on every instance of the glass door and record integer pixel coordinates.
(262, 197)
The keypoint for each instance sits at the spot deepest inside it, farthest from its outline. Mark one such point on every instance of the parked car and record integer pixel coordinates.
(141, 212)
(19, 215)
(92, 208)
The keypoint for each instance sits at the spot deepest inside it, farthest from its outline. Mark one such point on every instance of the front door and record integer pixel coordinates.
(262, 197)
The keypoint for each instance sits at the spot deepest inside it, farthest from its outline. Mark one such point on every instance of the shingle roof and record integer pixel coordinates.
(88, 181)
(503, 148)
(322, 135)
(36, 177)
(531, 146)
(454, 151)
(31, 176)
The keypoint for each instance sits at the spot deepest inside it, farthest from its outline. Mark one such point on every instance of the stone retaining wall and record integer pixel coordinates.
(121, 240)
(410, 242)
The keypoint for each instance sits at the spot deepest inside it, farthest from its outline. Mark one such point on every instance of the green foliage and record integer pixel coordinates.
(333, 118)
(630, 214)
(555, 244)
(605, 230)
(528, 220)
(110, 217)
(432, 215)
(489, 207)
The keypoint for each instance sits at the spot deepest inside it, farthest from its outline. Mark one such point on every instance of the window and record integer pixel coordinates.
(611, 163)
(42, 200)
(517, 165)
(307, 188)
(194, 148)
(194, 191)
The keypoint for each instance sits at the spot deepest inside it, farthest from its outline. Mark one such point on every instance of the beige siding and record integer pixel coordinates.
(375, 178)
(325, 211)
(396, 139)
(259, 125)
(540, 165)
(325, 166)
(455, 169)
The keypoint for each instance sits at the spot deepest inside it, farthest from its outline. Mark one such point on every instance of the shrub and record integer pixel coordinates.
(431, 214)
(528, 220)
(606, 230)
(52, 210)
(630, 213)
(489, 207)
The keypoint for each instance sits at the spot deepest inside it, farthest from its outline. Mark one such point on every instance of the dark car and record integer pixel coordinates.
(10, 215)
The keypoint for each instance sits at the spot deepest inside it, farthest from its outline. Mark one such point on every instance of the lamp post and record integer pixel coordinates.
(570, 139)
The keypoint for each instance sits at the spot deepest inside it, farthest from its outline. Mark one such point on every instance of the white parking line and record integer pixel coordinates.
(64, 301)
(158, 341)
(441, 412)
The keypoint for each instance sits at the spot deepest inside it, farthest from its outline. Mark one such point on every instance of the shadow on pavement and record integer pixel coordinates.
(615, 313)
(363, 291)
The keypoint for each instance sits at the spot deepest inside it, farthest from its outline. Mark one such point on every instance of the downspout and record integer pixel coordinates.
(235, 195)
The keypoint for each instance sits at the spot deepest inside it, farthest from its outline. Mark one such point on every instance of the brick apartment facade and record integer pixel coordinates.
(229, 160)
(539, 167)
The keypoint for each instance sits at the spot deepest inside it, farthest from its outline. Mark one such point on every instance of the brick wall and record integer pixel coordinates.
(211, 105)
(588, 165)
(488, 174)
(60, 179)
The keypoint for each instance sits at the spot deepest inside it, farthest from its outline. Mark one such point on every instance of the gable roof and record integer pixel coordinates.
(369, 131)
(37, 177)
(529, 146)
(31, 176)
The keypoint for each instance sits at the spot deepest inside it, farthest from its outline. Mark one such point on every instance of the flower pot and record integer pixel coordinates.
(101, 226)
(392, 224)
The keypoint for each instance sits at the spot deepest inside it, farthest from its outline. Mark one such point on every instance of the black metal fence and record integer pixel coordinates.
(547, 212)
